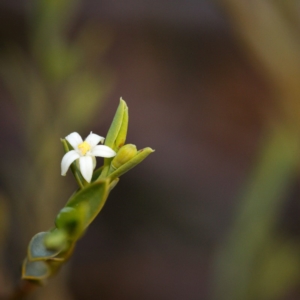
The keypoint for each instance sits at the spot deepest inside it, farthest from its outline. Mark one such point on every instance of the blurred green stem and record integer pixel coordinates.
(255, 219)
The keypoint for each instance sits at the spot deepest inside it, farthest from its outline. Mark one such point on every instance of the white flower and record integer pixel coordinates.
(85, 152)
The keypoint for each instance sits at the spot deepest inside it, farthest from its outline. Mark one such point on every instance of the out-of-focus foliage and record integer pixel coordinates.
(257, 261)
(195, 78)
(57, 87)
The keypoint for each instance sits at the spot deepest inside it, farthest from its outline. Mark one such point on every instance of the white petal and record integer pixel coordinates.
(86, 167)
(74, 139)
(94, 139)
(103, 151)
(94, 162)
(66, 161)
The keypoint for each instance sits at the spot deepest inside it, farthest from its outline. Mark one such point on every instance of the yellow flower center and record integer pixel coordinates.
(84, 147)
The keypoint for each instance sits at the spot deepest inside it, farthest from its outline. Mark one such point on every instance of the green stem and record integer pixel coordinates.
(106, 167)
(77, 177)
(104, 172)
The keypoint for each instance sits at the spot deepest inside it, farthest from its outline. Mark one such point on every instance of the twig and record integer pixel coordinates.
(25, 288)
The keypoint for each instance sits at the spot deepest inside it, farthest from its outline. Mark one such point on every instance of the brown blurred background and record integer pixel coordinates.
(199, 81)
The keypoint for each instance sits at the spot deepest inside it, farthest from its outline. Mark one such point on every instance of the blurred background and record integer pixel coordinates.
(214, 88)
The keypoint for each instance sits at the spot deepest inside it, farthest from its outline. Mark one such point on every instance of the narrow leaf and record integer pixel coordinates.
(93, 196)
(115, 125)
(35, 270)
(37, 249)
(121, 138)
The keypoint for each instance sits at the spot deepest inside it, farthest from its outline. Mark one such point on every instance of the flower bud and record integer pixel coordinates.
(67, 217)
(56, 240)
(125, 153)
(131, 163)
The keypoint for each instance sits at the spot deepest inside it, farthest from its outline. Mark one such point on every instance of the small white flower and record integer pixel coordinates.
(85, 152)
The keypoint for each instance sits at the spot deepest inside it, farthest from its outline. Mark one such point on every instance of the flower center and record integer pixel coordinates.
(84, 147)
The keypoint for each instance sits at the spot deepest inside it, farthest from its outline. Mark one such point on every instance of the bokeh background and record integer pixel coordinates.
(214, 88)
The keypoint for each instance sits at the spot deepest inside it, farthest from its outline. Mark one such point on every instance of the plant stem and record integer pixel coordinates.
(25, 288)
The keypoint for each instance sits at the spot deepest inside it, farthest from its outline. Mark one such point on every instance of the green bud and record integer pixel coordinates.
(125, 154)
(131, 163)
(67, 217)
(72, 220)
(56, 240)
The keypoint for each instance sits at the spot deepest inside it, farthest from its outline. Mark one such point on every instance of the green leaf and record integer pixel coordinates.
(121, 138)
(115, 125)
(117, 130)
(37, 249)
(35, 270)
(93, 196)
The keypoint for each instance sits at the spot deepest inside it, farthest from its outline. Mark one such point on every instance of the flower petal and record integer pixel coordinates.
(103, 151)
(94, 162)
(74, 139)
(86, 167)
(94, 139)
(66, 161)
